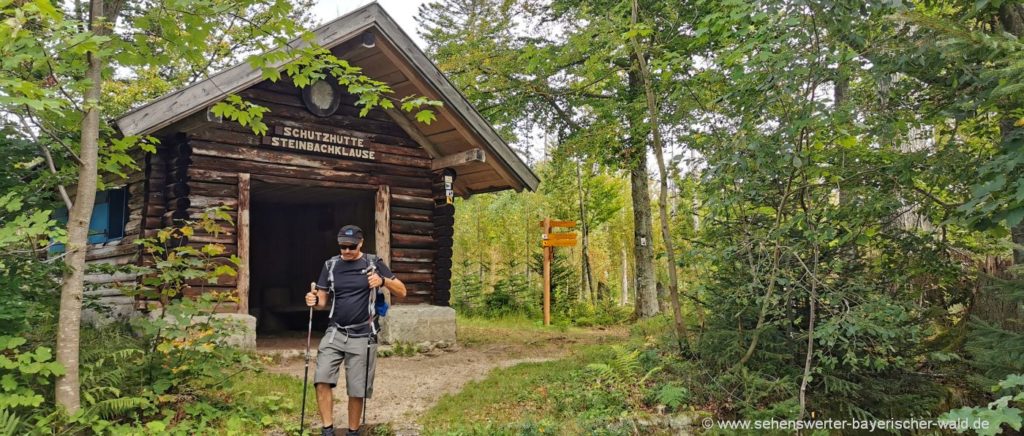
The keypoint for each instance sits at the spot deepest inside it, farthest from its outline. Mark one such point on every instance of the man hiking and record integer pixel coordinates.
(345, 287)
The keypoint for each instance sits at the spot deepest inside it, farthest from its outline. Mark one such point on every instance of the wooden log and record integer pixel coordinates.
(461, 158)
(211, 239)
(99, 279)
(179, 203)
(444, 242)
(442, 221)
(443, 274)
(443, 262)
(412, 227)
(204, 202)
(412, 255)
(110, 251)
(415, 192)
(445, 210)
(263, 168)
(443, 252)
(311, 182)
(104, 293)
(224, 280)
(123, 259)
(412, 267)
(443, 232)
(416, 278)
(442, 284)
(406, 240)
(179, 189)
(392, 180)
(213, 189)
(243, 189)
(425, 203)
(419, 287)
(198, 289)
(382, 223)
(212, 176)
(229, 249)
(402, 213)
(155, 210)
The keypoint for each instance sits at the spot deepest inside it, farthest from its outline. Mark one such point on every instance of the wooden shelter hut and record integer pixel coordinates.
(320, 166)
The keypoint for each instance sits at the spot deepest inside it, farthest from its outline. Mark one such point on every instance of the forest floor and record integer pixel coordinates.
(409, 386)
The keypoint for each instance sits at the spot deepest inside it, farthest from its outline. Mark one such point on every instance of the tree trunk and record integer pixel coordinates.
(624, 299)
(588, 280)
(643, 252)
(659, 156)
(1011, 16)
(68, 392)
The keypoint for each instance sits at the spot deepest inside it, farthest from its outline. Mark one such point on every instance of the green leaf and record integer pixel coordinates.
(46, 8)
(425, 116)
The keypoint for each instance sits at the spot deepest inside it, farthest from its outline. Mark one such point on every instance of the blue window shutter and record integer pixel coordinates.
(109, 215)
(99, 223)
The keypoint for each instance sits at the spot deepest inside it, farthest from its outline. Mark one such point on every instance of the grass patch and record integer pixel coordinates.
(512, 330)
(273, 400)
(531, 398)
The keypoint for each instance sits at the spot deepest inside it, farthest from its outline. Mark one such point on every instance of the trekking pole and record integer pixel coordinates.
(305, 377)
(366, 378)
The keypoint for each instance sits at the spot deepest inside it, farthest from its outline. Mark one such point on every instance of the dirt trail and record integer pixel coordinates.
(408, 386)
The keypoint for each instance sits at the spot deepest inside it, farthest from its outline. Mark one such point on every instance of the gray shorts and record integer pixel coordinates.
(351, 351)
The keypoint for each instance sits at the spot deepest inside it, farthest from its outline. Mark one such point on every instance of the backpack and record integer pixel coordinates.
(378, 300)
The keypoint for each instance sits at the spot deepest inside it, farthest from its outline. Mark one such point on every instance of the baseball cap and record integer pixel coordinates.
(350, 235)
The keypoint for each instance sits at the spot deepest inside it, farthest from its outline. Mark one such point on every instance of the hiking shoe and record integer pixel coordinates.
(327, 431)
(352, 432)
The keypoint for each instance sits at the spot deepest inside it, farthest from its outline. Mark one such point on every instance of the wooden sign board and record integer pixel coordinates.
(559, 236)
(558, 243)
(338, 144)
(557, 223)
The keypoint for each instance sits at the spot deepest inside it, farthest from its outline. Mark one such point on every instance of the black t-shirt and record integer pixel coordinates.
(351, 289)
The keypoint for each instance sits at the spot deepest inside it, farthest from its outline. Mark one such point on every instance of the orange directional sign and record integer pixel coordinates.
(558, 243)
(559, 236)
(557, 223)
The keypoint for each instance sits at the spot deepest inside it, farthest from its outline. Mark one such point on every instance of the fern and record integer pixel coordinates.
(9, 423)
(119, 406)
(671, 396)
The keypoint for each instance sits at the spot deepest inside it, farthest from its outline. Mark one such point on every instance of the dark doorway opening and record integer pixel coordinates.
(293, 230)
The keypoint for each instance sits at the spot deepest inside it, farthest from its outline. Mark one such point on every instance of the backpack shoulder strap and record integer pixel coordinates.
(330, 280)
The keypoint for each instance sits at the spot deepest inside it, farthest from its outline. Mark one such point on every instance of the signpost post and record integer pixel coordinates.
(550, 240)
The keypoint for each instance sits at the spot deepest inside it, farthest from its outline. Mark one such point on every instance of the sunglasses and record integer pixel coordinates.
(348, 247)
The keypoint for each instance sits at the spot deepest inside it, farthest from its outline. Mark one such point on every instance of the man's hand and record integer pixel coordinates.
(375, 280)
(311, 297)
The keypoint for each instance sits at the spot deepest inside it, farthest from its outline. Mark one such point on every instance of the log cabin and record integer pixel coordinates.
(319, 166)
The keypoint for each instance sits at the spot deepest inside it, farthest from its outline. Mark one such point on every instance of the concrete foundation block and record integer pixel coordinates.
(242, 326)
(418, 323)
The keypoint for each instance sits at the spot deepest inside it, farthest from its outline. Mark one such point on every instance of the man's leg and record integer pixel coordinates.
(328, 362)
(355, 412)
(325, 401)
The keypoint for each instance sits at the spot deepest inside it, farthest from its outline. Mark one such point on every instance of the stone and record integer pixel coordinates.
(417, 323)
(244, 330)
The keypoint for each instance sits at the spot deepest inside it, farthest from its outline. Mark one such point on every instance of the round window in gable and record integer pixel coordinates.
(321, 98)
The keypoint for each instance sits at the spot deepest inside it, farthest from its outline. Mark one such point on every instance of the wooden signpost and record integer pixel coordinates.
(549, 241)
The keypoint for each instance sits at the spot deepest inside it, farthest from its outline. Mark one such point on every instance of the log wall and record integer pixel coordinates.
(202, 167)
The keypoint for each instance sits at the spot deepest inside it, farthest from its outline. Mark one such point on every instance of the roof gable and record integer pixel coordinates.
(460, 130)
